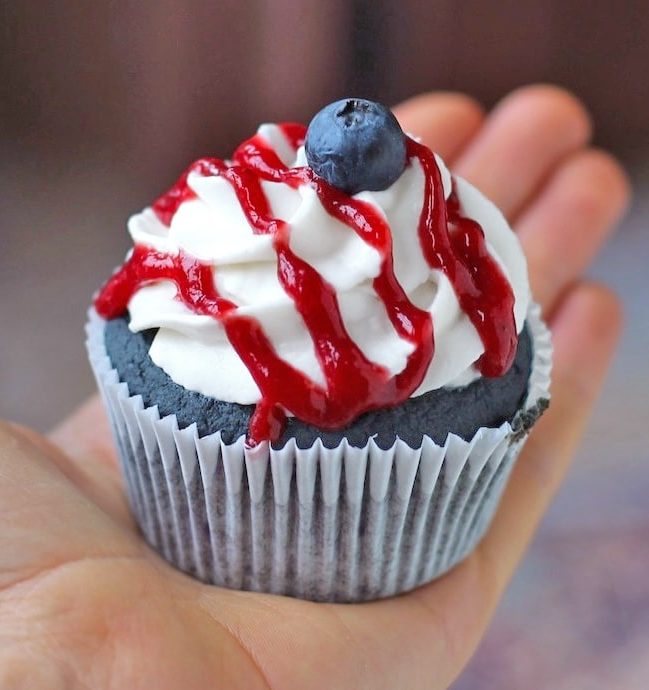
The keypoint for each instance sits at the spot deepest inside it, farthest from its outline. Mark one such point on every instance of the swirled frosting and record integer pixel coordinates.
(194, 349)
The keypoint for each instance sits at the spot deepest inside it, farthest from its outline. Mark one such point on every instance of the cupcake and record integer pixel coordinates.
(320, 361)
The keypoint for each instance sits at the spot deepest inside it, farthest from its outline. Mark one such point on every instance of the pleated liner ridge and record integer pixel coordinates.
(343, 524)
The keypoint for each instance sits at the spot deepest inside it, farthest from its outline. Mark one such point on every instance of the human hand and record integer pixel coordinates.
(84, 603)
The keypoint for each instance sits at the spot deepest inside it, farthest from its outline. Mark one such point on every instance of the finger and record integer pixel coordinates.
(88, 458)
(45, 520)
(445, 122)
(524, 137)
(586, 329)
(566, 225)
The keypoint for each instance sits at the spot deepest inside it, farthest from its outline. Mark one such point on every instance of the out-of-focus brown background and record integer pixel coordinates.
(102, 103)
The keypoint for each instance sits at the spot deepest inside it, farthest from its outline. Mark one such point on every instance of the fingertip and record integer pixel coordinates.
(556, 104)
(468, 107)
(593, 301)
(586, 328)
(599, 187)
(612, 176)
(598, 309)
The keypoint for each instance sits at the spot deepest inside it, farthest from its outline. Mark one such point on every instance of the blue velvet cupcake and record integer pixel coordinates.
(332, 305)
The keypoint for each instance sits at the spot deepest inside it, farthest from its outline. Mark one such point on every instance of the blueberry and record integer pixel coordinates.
(356, 145)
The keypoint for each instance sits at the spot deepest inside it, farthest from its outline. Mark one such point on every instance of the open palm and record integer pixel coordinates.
(84, 603)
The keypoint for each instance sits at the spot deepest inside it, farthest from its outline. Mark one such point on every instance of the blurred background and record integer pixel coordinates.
(103, 103)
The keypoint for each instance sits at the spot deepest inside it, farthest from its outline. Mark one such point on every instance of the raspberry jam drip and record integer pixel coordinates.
(456, 245)
(450, 242)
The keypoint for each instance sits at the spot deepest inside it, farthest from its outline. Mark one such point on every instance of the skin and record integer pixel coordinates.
(85, 604)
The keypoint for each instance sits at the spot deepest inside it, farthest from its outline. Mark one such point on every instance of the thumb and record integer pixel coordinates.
(45, 520)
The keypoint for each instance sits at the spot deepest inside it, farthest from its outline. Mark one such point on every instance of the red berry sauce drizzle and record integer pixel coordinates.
(450, 242)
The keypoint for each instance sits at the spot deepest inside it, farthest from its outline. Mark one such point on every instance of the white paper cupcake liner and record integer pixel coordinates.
(342, 524)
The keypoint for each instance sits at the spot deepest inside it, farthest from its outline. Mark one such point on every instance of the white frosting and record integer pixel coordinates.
(194, 349)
